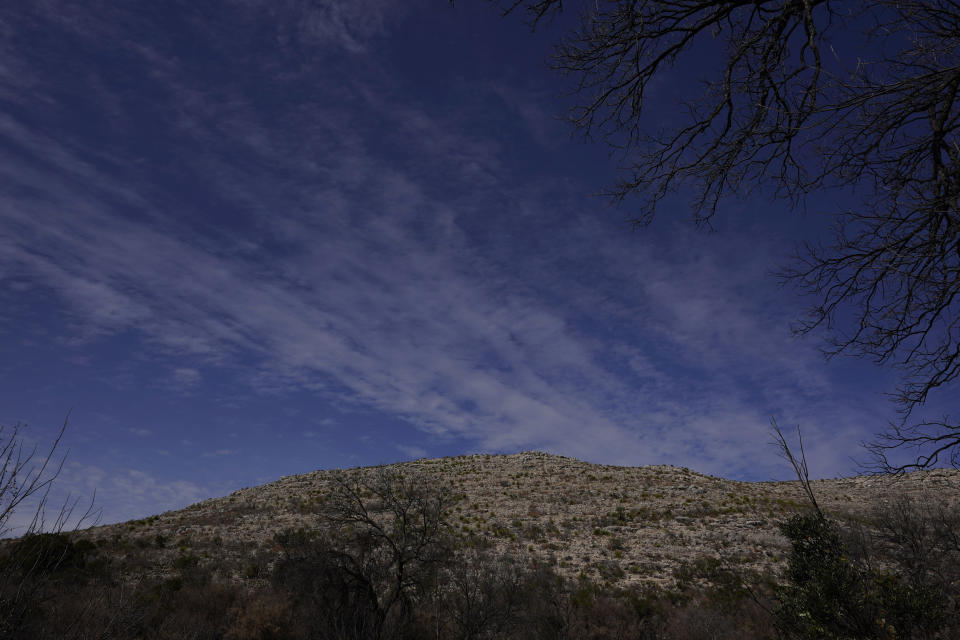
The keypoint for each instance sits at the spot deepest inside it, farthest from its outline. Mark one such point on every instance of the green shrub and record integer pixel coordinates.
(830, 596)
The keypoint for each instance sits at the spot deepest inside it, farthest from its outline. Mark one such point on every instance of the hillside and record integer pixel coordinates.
(615, 525)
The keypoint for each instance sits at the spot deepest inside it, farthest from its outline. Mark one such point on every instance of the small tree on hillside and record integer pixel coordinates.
(380, 545)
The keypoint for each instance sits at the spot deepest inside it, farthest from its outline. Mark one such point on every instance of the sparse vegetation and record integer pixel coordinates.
(397, 552)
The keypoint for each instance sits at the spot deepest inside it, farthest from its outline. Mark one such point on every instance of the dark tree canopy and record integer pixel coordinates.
(805, 96)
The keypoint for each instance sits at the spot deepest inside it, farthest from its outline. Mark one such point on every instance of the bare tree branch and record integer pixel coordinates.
(803, 96)
(21, 478)
(28, 564)
(799, 464)
(392, 537)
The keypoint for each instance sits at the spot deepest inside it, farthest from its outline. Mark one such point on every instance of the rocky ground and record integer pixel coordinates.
(613, 524)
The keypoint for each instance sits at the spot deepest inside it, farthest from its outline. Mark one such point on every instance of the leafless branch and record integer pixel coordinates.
(800, 96)
(21, 478)
(799, 464)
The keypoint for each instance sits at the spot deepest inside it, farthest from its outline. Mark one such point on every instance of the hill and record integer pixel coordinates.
(619, 525)
(529, 545)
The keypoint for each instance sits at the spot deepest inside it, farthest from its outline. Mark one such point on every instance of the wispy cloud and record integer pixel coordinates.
(109, 495)
(397, 319)
(219, 453)
(184, 379)
(374, 252)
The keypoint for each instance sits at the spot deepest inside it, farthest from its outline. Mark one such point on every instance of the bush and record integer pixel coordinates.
(830, 596)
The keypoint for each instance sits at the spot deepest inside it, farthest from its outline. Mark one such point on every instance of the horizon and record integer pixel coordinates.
(246, 241)
(488, 456)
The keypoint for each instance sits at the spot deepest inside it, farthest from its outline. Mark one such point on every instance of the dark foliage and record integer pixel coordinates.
(832, 595)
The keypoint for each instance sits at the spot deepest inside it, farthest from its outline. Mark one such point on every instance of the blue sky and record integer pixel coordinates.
(247, 239)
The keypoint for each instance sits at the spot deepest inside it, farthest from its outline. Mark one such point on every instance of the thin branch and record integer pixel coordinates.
(799, 464)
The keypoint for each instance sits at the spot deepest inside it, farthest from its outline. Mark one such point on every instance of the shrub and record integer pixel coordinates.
(829, 596)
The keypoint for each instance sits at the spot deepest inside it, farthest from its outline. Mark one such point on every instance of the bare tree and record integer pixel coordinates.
(22, 477)
(27, 478)
(921, 534)
(28, 563)
(802, 96)
(799, 465)
(383, 541)
(484, 595)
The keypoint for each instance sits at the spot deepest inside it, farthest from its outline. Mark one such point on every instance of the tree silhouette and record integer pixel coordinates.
(384, 539)
(801, 96)
(28, 564)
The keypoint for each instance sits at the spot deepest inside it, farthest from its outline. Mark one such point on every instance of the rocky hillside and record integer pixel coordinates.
(617, 525)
